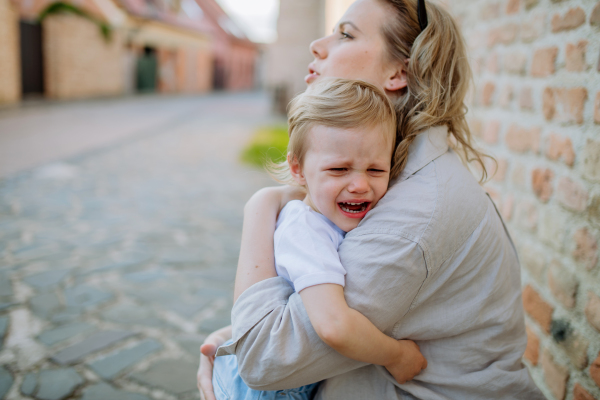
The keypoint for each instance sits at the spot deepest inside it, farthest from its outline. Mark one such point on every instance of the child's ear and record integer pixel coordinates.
(296, 170)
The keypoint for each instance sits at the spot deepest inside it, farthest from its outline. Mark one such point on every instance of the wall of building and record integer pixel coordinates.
(10, 73)
(537, 109)
(299, 23)
(78, 61)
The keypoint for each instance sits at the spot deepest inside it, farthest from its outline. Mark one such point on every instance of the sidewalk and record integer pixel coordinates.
(118, 248)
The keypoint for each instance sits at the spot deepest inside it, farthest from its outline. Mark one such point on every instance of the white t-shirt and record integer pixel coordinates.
(306, 245)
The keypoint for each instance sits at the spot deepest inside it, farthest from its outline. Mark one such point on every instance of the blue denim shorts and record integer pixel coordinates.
(228, 385)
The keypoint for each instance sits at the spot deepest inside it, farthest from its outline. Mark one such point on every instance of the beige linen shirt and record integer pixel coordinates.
(432, 262)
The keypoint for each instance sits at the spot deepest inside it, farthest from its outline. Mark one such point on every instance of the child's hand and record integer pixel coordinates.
(409, 363)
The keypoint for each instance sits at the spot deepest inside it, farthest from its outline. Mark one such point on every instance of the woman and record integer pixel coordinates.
(432, 262)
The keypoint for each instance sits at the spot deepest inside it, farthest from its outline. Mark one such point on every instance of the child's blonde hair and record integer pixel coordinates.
(338, 103)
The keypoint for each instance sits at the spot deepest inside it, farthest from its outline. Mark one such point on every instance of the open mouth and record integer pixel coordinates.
(354, 208)
(312, 75)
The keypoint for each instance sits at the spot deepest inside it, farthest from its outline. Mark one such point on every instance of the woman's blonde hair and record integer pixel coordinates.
(438, 75)
(338, 103)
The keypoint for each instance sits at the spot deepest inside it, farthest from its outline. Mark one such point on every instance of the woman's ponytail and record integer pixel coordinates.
(438, 75)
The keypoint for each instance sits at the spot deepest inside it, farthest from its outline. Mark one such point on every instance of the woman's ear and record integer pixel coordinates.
(296, 170)
(397, 78)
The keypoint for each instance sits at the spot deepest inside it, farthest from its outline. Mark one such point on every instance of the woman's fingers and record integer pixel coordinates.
(204, 377)
(209, 349)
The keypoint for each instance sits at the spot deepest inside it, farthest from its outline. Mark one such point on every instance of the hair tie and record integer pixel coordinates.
(422, 13)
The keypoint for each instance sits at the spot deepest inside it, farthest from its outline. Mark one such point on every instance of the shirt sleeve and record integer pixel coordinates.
(308, 251)
(275, 344)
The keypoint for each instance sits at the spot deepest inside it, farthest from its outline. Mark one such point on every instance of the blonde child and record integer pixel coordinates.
(342, 133)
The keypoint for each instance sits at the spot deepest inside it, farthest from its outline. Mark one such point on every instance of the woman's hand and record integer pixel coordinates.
(207, 359)
(409, 364)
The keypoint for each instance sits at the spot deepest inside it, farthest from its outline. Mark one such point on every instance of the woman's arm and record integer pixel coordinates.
(350, 333)
(256, 262)
(276, 345)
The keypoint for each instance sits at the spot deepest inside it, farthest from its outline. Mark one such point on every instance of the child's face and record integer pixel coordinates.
(346, 172)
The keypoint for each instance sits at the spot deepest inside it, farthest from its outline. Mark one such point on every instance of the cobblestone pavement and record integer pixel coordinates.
(114, 264)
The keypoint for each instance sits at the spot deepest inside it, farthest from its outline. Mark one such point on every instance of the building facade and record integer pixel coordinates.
(94, 48)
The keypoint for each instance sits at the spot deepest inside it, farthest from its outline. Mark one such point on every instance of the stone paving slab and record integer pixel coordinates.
(141, 237)
(118, 361)
(174, 376)
(103, 391)
(6, 381)
(98, 341)
(51, 384)
(64, 332)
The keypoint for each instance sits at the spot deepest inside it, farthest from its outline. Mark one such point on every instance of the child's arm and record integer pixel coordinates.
(256, 262)
(353, 335)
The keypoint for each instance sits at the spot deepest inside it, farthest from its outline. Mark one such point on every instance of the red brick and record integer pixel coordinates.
(571, 194)
(566, 105)
(518, 176)
(575, 56)
(505, 96)
(597, 107)
(548, 103)
(507, 207)
(586, 248)
(526, 99)
(595, 15)
(562, 283)
(487, 93)
(579, 393)
(529, 4)
(515, 62)
(576, 348)
(591, 160)
(555, 376)
(560, 148)
(574, 104)
(476, 127)
(533, 28)
(504, 34)
(490, 11)
(532, 351)
(531, 257)
(595, 370)
(523, 139)
(543, 62)
(492, 63)
(592, 310)
(574, 18)
(513, 6)
(541, 182)
(491, 131)
(537, 308)
(497, 170)
(509, 33)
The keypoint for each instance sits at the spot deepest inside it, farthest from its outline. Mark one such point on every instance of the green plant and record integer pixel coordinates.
(60, 7)
(268, 143)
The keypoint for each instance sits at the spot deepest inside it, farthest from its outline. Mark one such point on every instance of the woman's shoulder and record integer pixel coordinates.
(439, 202)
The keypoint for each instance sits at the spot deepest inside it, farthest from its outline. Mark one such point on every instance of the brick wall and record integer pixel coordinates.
(536, 108)
(10, 67)
(78, 61)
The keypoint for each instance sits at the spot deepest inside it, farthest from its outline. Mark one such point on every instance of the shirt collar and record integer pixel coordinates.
(427, 146)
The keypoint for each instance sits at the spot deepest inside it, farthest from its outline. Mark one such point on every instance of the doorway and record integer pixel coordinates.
(32, 71)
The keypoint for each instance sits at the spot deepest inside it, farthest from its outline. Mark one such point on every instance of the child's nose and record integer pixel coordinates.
(359, 184)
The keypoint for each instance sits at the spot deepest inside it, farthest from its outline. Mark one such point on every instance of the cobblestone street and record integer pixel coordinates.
(117, 259)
